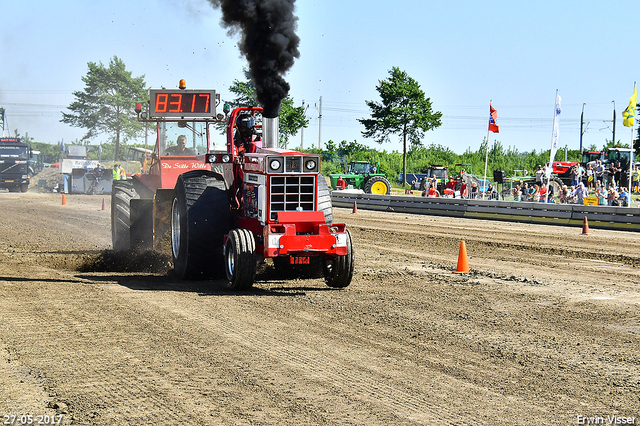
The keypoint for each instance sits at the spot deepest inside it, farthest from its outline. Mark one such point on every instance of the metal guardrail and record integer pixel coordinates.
(605, 217)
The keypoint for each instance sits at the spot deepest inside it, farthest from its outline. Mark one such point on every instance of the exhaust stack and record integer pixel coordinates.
(270, 134)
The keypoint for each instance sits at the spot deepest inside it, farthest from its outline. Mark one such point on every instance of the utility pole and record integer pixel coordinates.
(320, 124)
(614, 123)
(304, 111)
(581, 125)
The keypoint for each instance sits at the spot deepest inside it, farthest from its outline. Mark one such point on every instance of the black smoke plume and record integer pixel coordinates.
(268, 41)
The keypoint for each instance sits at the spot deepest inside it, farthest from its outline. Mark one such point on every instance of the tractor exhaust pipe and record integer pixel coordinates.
(270, 135)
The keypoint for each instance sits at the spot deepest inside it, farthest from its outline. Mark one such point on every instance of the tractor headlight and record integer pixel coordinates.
(212, 158)
(226, 158)
(310, 165)
(275, 164)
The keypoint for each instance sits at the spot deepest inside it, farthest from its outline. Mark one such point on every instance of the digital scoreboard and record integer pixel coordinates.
(182, 103)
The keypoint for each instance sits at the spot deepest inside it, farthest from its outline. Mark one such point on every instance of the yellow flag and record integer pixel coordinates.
(629, 114)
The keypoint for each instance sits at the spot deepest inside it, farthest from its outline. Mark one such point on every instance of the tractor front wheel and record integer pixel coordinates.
(378, 185)
(338, 271)
(240, 259)
(324, 199)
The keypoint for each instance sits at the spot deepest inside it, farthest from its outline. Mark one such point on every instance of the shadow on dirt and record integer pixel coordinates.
(150, 270)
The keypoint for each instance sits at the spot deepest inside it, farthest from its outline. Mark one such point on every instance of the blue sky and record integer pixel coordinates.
(462, 53)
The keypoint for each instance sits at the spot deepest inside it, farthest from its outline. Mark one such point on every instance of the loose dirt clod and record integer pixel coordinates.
(127, 261)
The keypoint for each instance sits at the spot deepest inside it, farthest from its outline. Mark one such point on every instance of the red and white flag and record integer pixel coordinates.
(493, 114)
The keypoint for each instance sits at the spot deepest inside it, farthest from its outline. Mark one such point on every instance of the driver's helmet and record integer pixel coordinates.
(245, 124)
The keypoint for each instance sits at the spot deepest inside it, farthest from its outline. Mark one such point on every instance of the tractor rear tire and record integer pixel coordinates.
(240, 259)
(556, 184)
(378, 185)
(338, 271)
(200, 218)
(122, 193)
(324, 200)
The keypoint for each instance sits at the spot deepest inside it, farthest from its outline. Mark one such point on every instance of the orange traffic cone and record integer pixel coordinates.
(355, 208)
(463, 260)
(585, 226)
(104, 206)
(64, 200)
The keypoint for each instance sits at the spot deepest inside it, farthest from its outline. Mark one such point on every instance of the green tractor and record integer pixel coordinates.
(363, 175)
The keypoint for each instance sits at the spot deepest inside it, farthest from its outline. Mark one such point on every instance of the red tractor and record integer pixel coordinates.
(226, 211)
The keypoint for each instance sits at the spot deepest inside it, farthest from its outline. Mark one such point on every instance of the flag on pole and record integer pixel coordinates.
(629, 114)
(100, 149)
(493, 114)
(62, 146)
(556, 125)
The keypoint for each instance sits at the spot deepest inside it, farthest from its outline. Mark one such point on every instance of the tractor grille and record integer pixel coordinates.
(291, 193)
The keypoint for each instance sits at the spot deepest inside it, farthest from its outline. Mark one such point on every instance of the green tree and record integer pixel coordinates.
(404, 110)
(26, 138)
(245, 91)
(107, 103)
(291, 118)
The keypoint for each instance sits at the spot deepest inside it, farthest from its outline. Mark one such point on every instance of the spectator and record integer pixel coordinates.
(539, 173)
(451, 186)
(492, 193)
(573, 172)
(474, 190)
(635, 178)
(600, 194)
(612, 196)
(564, 193)
(581, 193)
(618, 174)
(581, 173)
(434, 183)
(598, 186)
(536, 194)
(341, 184)
(599, 171)
(624, 197)
(525, 192)
(573, 194)
(543, 194)
(424, 184)
(610, 175)
(589, 176)
(517, 193)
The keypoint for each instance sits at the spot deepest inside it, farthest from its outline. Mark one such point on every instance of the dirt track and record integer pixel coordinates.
(545, 329)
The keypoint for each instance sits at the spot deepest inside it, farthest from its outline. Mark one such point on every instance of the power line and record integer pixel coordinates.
(17, 104)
